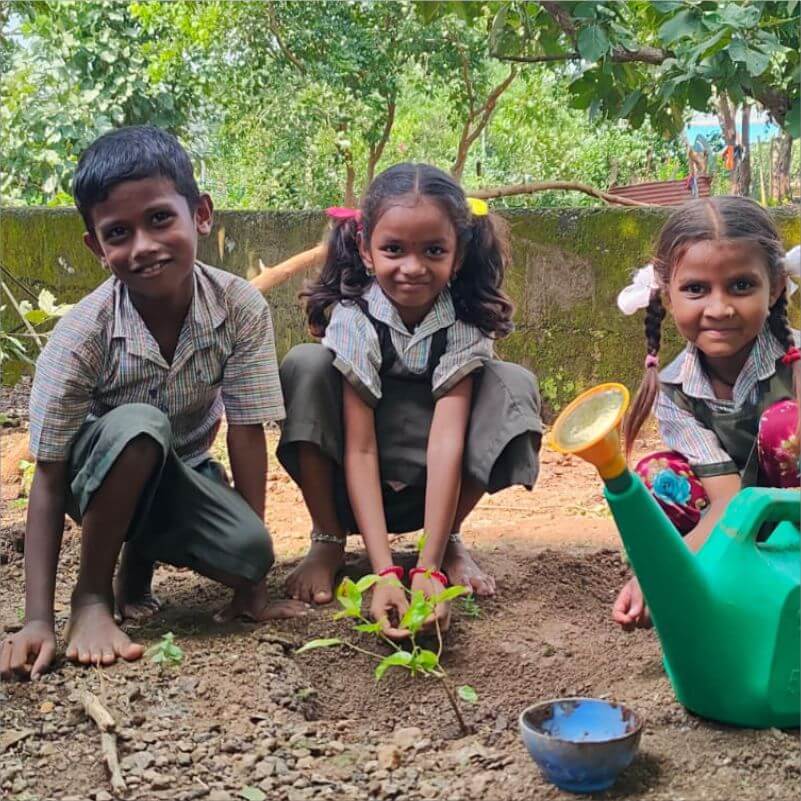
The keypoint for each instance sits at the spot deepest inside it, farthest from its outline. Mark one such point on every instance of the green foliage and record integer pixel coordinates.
(27, 469)
(470, 607)
(166, 652)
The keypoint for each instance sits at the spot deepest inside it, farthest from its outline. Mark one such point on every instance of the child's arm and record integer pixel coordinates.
(720, 490)
(444, 469)
(363, 480)
(247, 450)
(629, 609)
(33, 647)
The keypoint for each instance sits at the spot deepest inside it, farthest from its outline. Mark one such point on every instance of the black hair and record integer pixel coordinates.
(131, 154)
(717, 219)
(482, 252)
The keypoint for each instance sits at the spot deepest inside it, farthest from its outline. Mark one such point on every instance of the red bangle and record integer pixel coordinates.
(395, 570)
(435, 574)
(792, 355)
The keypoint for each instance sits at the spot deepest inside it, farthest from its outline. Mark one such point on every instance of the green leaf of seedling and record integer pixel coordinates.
(470, 607)
(421, 543)
(350, 599)
(365, 582)
(398, 659)
(419, 609)
(36, 316)
(250, 793)
(368, 628)
(467, 694)
(323, 643)
(450, 593)
(426, 660)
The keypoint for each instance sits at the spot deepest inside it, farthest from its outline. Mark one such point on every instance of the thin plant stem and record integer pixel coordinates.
(22, 315)
(454, 704)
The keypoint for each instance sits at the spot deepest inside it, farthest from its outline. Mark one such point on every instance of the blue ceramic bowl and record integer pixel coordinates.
(581, 744)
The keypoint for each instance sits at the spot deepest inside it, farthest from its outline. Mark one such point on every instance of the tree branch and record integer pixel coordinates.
(483, 115)
(562, 18)
(645, 55)
(275, 29)
(377, 151)
(572, 186)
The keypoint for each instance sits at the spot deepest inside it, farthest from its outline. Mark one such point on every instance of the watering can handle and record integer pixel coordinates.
(753, 506)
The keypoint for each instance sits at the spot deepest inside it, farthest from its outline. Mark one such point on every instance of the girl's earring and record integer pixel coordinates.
(369, 270)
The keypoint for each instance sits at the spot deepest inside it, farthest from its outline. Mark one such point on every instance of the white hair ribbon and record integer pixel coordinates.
(792, 266)
(637, 294)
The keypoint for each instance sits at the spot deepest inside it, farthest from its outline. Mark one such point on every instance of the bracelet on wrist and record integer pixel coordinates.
(435, 574)
(393, 570)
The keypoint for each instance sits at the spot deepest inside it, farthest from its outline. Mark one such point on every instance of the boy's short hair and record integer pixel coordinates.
(131, 154)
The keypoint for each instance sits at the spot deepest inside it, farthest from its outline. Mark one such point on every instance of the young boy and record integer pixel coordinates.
(127, 400)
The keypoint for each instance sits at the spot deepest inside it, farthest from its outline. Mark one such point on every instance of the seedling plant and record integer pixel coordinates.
(166, 652)
(417, 659)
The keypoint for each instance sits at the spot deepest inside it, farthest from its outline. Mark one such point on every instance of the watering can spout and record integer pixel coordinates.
(590, 428)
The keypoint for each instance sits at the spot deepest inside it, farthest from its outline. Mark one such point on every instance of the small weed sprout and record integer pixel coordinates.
(470, 607)
(27, 469)
(419, 661)
(166, 652)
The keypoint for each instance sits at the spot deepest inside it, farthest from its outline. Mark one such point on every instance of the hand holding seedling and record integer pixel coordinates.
(432, 588)
(388, 606)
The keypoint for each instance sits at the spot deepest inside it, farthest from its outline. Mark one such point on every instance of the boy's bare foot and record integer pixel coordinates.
(252, 603)
(313, 579)
(461, 568)
(93, 638)
(132, 587)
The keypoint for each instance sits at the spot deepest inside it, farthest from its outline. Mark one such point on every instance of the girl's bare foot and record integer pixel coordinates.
(461, 568)
(93, 638)
(313, 579)
(252, 603)
(132, 587)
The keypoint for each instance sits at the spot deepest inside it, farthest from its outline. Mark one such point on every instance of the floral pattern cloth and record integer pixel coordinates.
(680, 492)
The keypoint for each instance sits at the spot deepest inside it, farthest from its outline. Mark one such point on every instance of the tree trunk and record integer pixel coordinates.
(728, 124)
(743, 170)
(780, 168)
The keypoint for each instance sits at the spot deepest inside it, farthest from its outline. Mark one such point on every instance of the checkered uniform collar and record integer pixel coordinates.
(206, 314)
(441, 315)
(688, 371)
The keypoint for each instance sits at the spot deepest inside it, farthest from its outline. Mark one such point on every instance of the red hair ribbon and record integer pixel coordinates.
(793, 354)
(343, 213)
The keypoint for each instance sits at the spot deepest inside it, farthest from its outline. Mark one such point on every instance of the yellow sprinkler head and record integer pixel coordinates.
(590, 428)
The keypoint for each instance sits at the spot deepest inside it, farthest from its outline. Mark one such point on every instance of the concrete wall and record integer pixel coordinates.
(568, 266)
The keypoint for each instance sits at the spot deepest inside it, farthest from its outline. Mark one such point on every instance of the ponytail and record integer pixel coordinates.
(476, 289)
(649, 387)
(343, 276)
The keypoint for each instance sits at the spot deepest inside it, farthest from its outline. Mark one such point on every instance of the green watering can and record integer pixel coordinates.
(728, 617)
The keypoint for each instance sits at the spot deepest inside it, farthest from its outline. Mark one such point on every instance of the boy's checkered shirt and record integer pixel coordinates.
(101, 355)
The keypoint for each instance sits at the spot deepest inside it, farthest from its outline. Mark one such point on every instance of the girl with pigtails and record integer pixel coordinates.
(727, 406)
(402, 418)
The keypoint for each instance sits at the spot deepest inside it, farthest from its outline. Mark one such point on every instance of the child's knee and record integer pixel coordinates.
(256, 549)
(306, 362)
(777, 424)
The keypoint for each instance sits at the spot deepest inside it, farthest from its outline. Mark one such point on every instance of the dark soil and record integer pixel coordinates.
(243, 714)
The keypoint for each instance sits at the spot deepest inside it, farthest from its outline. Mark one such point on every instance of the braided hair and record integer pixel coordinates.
(730, 219)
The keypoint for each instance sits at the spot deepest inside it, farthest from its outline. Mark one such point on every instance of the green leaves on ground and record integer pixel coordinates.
(166, 652)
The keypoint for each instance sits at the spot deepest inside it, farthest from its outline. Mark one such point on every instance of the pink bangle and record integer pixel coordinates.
(793, 354)
(435, 574)
(395, 570)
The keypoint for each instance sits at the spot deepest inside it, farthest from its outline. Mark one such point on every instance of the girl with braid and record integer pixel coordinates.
(727, 406)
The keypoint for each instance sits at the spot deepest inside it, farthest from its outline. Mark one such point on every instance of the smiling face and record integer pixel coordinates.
(413, 252)
(720, 296)
(146, 234)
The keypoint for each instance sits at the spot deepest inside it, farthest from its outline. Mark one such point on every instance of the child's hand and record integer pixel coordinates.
(29, 651)
(442, 613)
(630, 610)
(389, 605)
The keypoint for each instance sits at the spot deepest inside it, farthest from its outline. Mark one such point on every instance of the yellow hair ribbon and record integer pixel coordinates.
(478, 207)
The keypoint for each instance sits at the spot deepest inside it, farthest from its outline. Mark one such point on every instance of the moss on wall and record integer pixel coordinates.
(568, 266)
